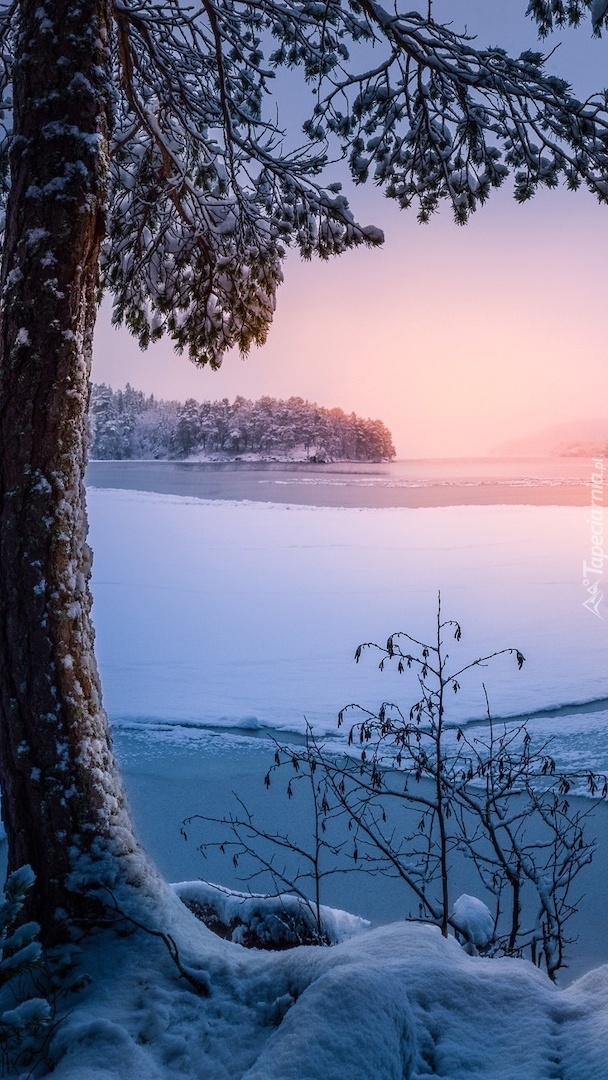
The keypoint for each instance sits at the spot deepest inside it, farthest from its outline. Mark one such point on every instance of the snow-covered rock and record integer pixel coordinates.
(260, 921)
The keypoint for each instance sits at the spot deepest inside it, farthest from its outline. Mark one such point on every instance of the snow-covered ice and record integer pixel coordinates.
(247, 615)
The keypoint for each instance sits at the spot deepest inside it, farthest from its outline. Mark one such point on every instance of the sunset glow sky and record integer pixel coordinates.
(458, 338)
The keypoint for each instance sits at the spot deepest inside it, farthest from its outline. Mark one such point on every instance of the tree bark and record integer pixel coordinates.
(63, 804)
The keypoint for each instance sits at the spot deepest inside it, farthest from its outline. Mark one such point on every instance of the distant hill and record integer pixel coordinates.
(581, 438)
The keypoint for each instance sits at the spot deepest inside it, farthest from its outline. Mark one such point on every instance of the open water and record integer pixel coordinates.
(417, 483)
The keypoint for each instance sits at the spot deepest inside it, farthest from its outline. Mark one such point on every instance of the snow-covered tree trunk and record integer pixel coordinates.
(63, 803)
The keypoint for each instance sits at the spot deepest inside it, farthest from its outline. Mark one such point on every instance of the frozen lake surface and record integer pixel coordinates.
(221, 619)
(246, 615)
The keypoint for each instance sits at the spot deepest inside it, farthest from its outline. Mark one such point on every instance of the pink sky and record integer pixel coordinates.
(458, 338)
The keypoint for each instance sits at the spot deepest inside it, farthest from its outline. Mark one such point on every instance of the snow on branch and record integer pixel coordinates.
(208, 189)
(552, 14)
(208, 194)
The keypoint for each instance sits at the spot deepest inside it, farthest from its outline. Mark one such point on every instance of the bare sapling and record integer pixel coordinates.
(421, 798)
(274, 859)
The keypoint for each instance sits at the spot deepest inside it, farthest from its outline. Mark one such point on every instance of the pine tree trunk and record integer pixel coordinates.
(62, 800)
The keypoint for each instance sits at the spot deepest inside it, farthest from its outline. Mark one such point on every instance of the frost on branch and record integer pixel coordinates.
(205, 195)
(207, 190)
(552, 14)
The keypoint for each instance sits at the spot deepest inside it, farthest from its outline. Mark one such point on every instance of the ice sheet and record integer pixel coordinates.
(247, 615)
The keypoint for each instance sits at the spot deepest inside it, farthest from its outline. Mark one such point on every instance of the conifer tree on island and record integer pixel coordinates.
(142, 154)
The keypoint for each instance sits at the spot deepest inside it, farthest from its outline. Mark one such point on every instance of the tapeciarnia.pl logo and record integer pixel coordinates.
(594, 569)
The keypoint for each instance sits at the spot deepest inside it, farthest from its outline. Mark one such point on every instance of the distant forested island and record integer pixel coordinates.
(130, 424)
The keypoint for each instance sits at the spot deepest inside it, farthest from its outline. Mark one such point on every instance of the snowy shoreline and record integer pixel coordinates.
(219, 614)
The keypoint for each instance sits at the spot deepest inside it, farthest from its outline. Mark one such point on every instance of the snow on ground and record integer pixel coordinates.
(247, 614)
(398, 1003)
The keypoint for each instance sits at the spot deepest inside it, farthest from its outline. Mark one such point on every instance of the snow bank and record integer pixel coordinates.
(399, 1003)
(353, 1022)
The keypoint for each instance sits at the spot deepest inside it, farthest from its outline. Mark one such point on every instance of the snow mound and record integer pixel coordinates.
(356, 1025)
(396, 1003)
(474, 919)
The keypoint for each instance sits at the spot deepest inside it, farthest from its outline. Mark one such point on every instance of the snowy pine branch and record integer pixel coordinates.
(208, 189)
(553, 14)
